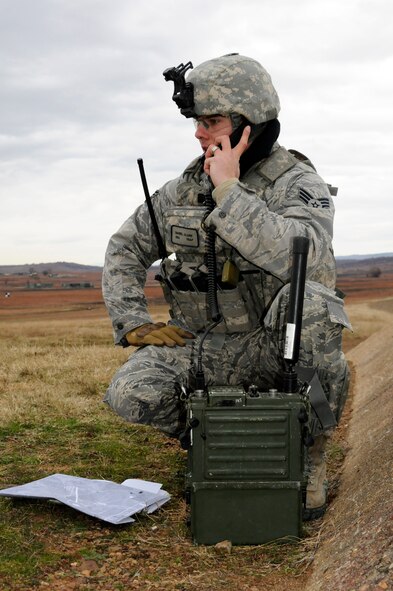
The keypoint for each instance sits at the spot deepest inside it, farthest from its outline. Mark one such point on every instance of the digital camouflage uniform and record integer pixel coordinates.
(256, 218)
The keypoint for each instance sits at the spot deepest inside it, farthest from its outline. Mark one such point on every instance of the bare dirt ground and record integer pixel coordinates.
(354, 550)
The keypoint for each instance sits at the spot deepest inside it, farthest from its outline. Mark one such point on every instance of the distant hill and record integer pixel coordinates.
(53, 268)
(360, 264)
(352, 264)
(360, 257)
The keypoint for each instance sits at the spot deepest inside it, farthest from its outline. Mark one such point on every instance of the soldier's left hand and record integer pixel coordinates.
(158, 334)
(222, 163)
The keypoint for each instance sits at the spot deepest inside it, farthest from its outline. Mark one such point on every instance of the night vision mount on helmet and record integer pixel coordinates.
(183, 92)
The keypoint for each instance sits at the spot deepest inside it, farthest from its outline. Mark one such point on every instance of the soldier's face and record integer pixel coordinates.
(208, 129)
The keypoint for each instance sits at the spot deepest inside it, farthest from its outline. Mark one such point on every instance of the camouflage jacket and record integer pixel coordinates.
(257, 217)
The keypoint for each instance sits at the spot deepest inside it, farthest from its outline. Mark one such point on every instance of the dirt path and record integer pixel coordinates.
(357, 552)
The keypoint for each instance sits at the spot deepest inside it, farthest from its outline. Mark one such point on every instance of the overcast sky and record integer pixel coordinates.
(82, 97)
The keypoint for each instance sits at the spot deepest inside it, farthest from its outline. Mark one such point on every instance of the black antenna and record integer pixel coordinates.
(160, 243)
(295, 311)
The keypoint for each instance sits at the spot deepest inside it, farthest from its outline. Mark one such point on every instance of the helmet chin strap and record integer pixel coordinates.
(236, 120)
(257, 130)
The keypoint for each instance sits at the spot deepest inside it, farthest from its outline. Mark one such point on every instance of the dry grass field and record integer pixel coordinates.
(57, 358)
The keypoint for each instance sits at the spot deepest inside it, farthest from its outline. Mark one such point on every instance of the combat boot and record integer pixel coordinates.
(316, 492)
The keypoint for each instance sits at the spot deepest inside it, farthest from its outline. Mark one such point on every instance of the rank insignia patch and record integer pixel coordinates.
(308, 199)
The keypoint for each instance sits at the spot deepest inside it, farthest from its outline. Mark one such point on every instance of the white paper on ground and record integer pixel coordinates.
(102, 499)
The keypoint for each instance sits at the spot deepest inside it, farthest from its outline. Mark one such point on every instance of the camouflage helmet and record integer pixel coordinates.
(234, 84)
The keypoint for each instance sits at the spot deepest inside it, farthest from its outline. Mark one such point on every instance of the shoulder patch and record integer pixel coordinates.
(277, 164)
(312, 201)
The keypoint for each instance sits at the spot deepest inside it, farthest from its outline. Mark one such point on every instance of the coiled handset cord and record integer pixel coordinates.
(212, 300)
(211, 261)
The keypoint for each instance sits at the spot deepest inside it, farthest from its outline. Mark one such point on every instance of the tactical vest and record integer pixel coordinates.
(184, 277)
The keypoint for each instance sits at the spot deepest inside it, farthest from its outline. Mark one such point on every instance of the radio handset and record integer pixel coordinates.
(235, 136)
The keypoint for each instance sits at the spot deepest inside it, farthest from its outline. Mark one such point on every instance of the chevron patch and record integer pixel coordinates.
(308, 199)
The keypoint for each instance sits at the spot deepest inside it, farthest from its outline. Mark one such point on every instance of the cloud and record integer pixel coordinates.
(83, 97)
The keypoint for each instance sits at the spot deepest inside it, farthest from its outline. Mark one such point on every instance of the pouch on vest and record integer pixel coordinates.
(183, 231)
(196, 314)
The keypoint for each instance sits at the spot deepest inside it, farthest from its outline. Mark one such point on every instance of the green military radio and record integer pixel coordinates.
(245, 475)
(245, 478)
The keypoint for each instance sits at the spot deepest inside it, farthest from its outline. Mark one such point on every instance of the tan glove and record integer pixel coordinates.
(158, 334)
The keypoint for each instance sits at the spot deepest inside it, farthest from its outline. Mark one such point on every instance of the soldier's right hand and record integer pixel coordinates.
(158, 334)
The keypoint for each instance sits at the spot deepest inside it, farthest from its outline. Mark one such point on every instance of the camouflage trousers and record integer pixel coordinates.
(150, 387)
